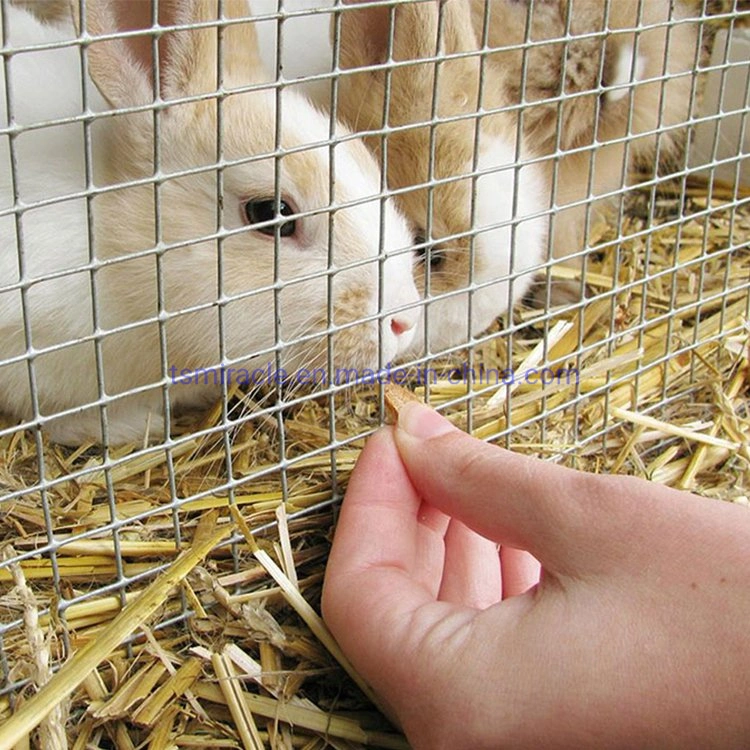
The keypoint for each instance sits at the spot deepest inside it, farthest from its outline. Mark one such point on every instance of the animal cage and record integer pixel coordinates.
(227, 225)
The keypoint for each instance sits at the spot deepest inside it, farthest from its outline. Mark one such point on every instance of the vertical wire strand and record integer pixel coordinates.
(476, 146)
(99, 355)
(278, 155)
(520, 119)
(220, 92)
(674, 285)
(331, 259)
(621, 199)
(160, 248)
(23, 274)
(430, 217)
(723, 79)
(384, 155)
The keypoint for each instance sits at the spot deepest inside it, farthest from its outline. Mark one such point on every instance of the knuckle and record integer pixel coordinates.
(472, 460)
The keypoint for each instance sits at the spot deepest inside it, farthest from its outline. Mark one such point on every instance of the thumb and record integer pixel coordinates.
(572, 522)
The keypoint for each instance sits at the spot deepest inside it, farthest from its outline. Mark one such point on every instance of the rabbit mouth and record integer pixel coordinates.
(352, 348)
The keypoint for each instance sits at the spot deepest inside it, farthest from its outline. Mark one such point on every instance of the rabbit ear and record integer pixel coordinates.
(115, 65)
(458, 28)
(364, 35)
(365, 32)
(123, 69)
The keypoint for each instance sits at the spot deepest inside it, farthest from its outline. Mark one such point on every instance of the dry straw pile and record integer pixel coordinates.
(662, 391)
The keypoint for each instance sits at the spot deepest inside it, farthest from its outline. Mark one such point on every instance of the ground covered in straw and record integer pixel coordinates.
(661, 390)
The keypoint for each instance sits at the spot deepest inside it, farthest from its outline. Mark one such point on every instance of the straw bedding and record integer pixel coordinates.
(660, 347)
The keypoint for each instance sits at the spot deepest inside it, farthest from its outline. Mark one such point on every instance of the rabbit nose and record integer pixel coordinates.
(401, 325)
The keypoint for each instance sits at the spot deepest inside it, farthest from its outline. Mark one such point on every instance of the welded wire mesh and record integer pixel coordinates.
(614, 338)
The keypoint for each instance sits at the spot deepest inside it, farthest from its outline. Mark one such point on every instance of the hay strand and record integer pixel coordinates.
(75, 670)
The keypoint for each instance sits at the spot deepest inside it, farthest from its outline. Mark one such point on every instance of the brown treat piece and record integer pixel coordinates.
(396, 396)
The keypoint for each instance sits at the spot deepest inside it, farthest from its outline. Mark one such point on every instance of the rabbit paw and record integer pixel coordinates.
(124, 427)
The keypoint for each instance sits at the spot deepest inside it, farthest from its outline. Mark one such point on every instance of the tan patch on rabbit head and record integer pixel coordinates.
(305, 170)
(356, 346)
(351, 303)
(361, 103)
(365, 42)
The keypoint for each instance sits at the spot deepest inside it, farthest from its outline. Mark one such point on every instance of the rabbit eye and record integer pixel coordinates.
(258, 211)
(435, 255)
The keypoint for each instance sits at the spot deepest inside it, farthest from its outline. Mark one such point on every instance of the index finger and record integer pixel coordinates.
(387, 556)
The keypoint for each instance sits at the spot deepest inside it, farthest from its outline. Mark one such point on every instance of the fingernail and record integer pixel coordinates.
(420, 421)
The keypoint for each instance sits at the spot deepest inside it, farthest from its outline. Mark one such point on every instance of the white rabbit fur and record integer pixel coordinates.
(57, 276)
(508, 223)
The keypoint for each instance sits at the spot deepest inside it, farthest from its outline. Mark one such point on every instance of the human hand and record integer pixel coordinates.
(635, 637)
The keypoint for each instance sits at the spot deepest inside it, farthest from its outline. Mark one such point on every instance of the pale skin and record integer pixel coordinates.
(637, 635)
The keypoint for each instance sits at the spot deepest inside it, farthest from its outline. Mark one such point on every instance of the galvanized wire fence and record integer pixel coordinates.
(223, 232)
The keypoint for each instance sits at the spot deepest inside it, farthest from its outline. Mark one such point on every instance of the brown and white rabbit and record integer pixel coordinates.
(74, 305)
(596, 72)
(645, 47)
(487, 234)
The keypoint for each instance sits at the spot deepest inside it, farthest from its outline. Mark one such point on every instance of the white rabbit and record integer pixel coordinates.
(235, 299)
(608, 72)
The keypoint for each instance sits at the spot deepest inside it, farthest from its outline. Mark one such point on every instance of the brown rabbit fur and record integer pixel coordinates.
(602, 38)
(411, 102)
(445, 210)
